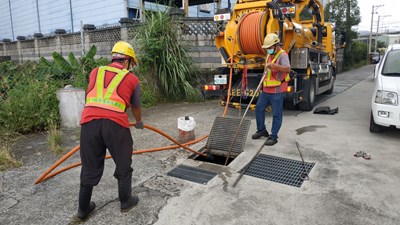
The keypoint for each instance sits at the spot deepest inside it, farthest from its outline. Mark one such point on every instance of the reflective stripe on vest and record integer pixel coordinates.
(107, 98)
(270, 81)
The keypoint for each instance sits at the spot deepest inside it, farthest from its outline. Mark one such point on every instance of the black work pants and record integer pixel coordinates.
(96, 137)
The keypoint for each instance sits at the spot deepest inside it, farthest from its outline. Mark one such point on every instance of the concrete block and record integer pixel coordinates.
(204, 54)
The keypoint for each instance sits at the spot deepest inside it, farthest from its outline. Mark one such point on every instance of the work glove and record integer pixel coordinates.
(139, 125)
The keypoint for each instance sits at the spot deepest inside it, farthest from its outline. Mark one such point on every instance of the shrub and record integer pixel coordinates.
(71, 71)
(165, 59)
(29, 106)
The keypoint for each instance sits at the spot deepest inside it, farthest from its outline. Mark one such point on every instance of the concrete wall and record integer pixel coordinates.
(200, 44)
(203, 51)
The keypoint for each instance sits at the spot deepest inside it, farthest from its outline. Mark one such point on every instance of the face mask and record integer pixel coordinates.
(270, 51)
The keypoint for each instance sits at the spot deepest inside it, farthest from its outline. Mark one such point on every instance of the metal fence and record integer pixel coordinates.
(199, 26)
(105, 35)
(71, 38)
(197, 31)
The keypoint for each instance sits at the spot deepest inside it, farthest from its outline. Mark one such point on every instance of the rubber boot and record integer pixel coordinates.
(85, 205)
(125, 197)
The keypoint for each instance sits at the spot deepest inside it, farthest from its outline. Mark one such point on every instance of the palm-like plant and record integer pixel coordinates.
(165, 58)
(73, 69)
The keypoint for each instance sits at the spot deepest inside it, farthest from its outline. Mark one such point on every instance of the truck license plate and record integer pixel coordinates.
(251, 92)
(220, 79)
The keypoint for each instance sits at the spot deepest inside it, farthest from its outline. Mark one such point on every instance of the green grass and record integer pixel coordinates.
(54, 138)
(7, 159)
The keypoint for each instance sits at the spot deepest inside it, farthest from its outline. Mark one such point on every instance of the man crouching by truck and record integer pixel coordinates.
(274, 89)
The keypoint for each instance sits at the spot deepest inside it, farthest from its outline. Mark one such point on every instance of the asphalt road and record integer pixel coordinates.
(342, 189)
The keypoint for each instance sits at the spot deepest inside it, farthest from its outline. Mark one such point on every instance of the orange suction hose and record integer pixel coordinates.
(51, 168)
(171, 139)
(46, 175)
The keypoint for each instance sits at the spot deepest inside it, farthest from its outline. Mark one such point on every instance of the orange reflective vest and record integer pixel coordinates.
(107, 98)
(269, 80)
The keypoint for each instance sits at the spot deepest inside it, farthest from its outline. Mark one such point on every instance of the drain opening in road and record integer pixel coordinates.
(212, 158)
(226, 140)
(193, 174)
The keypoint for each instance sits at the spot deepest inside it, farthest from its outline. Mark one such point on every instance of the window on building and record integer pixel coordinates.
(205, 8)
(133, 13)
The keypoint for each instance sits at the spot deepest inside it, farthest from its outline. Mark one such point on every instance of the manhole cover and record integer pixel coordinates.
(278, 169)
(223, 133)
(194, 174)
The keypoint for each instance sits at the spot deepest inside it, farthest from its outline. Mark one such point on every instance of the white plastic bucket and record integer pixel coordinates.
(186, 129)
(186, 123)
(72, 102)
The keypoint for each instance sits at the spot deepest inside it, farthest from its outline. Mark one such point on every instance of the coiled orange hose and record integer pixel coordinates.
(250, 33)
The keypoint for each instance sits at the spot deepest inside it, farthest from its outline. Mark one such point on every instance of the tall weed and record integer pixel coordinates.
(54, 138)
(166, 59)
(7, 159)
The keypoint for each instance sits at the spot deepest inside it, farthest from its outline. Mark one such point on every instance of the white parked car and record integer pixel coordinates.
(375, 70)
(385, 98)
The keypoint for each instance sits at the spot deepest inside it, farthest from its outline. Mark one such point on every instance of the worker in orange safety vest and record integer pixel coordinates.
(111, 91)
(277, 69)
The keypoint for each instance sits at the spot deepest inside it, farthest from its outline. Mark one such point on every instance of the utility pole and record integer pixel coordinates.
(38, 15)
(72, 16)
(377, 31)
(11, 19)
(387, 36)
(374, 8)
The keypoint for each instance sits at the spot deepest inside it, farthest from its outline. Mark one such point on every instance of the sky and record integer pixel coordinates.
(390, 7)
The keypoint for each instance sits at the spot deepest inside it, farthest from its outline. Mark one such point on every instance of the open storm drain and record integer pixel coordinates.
(226, 138)
(278, 169)
(194, 174)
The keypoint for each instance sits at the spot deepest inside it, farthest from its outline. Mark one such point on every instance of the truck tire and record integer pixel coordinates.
(309, 95)
(373, 127)
(289, 105)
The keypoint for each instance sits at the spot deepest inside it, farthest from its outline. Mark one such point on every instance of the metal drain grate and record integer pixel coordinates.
(194, 174)
(278, 169)
(222, 134)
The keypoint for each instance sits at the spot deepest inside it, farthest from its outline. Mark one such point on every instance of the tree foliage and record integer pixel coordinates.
(344, 20)
(345, 14)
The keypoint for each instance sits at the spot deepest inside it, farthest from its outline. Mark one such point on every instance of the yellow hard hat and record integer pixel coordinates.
(270, 39)
(124, 48)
